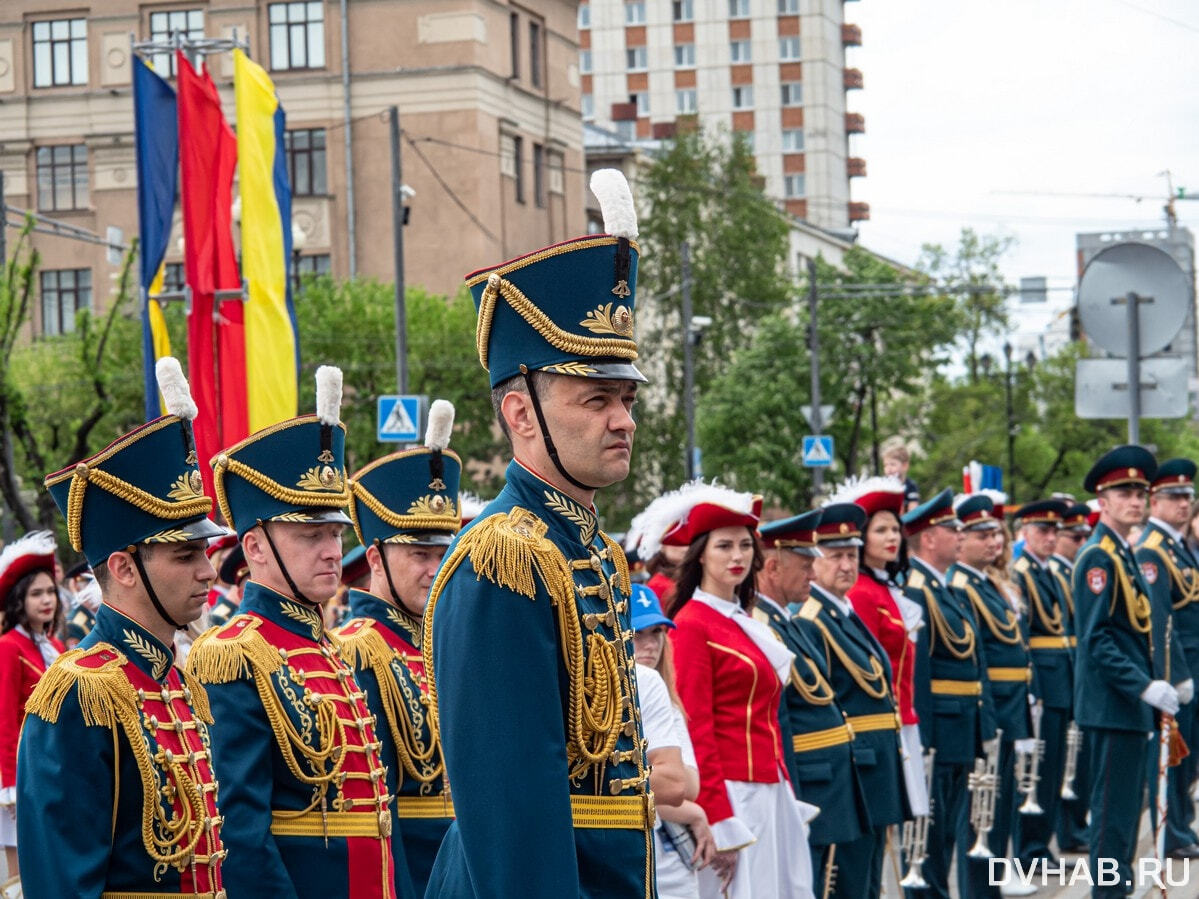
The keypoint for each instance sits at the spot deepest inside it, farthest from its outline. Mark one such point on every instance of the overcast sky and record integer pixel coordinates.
(967, 98)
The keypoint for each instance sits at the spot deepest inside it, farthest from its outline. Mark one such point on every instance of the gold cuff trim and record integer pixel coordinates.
(821, 739)
(1050, 642)
(613, 812)
(331, 824)
(956, 687)
(882, 721)
(424, 806)
(1010, 675)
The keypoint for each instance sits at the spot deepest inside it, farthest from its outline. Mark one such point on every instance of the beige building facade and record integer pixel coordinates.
(489, 100)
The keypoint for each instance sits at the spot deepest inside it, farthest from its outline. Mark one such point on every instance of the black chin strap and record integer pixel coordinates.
(387, 573)
(545, 434)
(141, 570)
(295, 591)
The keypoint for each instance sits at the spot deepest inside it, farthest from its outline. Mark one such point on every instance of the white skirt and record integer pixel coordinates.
(675, 879)
(8, 825)
(779, 864)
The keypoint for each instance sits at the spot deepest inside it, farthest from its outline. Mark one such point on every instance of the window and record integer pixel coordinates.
(788, 7)
(749, 139)
(584, 15)
(642, 100)
(165, 25)
(685, 102)
(584, 62)
(297, 34)
(682, 10)
(738, 9)
(64, 292)
(59, 52)
(627, 129)
(557, 166)
(518, 166)
(313, 265)
(62, 177)
(793, 140)
(793, 185)
(535, 53)
(636, 59)
(539, 176)
(514, 40)
(684, 56)
(306, 161)
(792, 93)
(788, 49)
(587, 107)
(634, 12)
(740, 51)
(743, 96)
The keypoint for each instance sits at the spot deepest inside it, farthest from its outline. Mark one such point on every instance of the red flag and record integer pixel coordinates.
(216, 353)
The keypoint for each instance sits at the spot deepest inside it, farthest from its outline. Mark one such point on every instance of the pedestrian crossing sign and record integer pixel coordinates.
(817, 450)
(399, 419)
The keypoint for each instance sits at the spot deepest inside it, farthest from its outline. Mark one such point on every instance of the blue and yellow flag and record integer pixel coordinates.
(272, 367)
(157, 140)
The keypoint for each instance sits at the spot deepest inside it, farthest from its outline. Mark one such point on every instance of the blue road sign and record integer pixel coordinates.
(817, 450)
(399, 419)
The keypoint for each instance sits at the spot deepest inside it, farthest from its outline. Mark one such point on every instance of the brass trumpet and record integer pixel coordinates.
(1028, 771)
(983, 784)
(914, 839)
(1070, 771)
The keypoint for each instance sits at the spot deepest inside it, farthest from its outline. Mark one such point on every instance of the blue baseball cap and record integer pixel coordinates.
(646, 610)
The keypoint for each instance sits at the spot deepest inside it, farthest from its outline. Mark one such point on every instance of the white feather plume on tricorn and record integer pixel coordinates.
(176, 395)
(616, 202)
(328, 394)
(441, 424)
(854, 488)
(670, 509)
(35, 543)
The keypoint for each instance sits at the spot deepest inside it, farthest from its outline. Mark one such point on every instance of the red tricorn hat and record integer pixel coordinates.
(693, 510)
(873, 494)
(33, 552)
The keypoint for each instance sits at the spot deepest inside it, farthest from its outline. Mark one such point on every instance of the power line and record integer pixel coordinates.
(449, 190)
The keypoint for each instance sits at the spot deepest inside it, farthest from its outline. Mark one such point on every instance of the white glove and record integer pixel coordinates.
(1036, 709)
(1026, 747)
(1162, 697)
(989, 745)
(1186, 691)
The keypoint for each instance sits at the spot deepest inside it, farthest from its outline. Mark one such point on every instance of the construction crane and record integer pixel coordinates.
(1173, 195)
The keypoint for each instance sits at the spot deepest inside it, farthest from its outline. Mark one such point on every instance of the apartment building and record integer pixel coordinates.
(773, 70)
(488, 93)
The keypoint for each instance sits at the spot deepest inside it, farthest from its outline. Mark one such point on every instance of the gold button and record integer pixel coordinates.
(596, 564)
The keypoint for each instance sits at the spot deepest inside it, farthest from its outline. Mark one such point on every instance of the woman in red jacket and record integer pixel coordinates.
(886, 612)
(730, 671)
(32, 615)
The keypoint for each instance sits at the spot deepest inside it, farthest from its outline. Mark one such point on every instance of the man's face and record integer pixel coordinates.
(837, 569)
(310, 550)
(1041, 539)
(181, 575)
(979, 548)
(1123, 505)
(940, 544)
(592, 424)
(412, 571)
(1172, 508)
(790, 574)
(1069, 543)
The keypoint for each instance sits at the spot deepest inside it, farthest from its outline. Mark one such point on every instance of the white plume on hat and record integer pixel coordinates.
(35, 543)
(854, 488)
(441, 424)
(616, 202)
(328, 394)
(471, 506)
(176, 394)
(671, 508)
(997, 497)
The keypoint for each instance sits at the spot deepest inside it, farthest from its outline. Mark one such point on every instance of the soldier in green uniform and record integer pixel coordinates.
(527, 641)
(1122, 681)
(1051, 642)
(405, 513)
(1171, 572)
(115, 786)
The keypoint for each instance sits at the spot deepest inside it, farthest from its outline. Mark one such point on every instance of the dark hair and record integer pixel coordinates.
(691, 573)
(901, 563)
(516, 384)
(658, 564)
(14, 604)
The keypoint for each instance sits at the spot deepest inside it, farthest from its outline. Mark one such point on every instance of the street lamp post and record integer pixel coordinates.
(1011, 418)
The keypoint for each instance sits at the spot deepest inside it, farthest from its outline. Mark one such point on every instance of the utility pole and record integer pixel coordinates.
(1011, 418)
(688, 361)
(814, 353)
(397, 225)
(1134, 368)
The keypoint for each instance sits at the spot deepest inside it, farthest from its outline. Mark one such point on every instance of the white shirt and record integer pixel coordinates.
(839, 601)
(657, 711)
(762, 635)
(939, 575)
(44, 646)
(1175, 534)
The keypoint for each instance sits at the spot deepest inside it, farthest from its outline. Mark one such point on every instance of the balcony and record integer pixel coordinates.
(665, 130)
(852, 79)
(624, 112)
(859, 212)
(855, 122)
(851, 35)
(855, 167)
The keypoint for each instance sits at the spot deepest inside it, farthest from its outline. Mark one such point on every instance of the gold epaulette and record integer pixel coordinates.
(759, 615)
(361, 645)
(916, 579)
(1153, 540)
(510, 549)
(105, 695)
(231, 652)
(1021, 564)
(810, 610)
(1108, 545)
(960, 579)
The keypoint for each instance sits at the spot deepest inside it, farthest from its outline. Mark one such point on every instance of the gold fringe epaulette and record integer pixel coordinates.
(510, 549)
(362, 646)
(231, 652)
(105, 694)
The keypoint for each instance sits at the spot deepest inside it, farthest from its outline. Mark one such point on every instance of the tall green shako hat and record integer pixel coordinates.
(566, 309)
